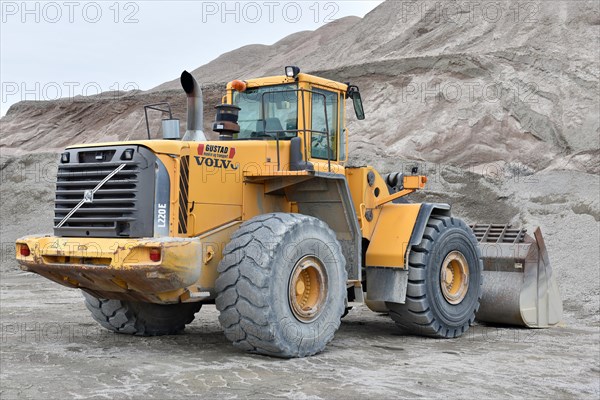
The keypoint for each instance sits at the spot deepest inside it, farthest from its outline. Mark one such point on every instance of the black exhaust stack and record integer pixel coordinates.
(195, 108)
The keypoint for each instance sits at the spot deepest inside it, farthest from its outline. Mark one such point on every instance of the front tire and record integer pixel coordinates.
(141, 319)
(282, 286)
(444, 281)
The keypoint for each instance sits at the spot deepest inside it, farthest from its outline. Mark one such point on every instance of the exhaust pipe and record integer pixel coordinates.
(195, 108)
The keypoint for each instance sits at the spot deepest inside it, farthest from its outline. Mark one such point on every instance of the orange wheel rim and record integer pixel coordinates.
(307, 288)
(454, 277)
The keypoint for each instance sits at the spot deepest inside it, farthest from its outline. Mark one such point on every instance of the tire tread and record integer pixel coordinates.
(135, 318)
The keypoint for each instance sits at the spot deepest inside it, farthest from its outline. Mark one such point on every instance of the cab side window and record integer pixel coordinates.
(324, 119)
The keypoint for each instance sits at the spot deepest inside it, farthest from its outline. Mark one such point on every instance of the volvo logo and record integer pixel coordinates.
(88, 196)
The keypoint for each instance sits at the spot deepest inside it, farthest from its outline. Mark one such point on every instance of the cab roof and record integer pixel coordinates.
(301, 78)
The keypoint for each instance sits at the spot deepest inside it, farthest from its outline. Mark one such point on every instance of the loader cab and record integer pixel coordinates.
(295, 105)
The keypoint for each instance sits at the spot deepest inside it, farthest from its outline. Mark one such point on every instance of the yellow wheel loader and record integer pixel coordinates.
(272, 225)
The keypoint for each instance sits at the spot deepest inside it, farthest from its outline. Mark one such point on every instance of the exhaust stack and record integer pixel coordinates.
(195, 108)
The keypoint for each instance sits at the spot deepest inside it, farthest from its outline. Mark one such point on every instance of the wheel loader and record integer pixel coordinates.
(273, 225)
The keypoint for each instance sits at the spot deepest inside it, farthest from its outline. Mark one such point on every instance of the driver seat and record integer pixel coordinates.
(273, 126)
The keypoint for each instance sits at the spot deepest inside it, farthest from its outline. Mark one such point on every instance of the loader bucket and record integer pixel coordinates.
(518, 285)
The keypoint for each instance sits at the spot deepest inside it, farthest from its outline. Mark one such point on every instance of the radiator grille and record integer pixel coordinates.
(116, 206)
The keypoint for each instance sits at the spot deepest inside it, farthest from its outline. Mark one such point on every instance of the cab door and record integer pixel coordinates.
(324, 126)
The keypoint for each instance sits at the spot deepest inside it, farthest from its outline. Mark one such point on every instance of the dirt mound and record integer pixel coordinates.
(31, 126)
(488, 84)
(26, 199)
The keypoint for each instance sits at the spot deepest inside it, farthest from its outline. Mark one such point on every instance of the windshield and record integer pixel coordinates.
(279, 116)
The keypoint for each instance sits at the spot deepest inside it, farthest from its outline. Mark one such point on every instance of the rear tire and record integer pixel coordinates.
(141, 319)
(444, 281)
(282, 286)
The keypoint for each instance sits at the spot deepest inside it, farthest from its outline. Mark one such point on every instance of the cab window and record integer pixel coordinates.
(324, 118)
(268, 111)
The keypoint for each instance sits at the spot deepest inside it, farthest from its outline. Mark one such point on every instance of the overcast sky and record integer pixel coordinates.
(51, 49)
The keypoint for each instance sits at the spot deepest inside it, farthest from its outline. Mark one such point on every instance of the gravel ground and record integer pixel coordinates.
(51, 348)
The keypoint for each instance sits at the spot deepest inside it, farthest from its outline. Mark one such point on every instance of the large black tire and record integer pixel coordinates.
(255, 281)
(141, 319)
(427, 311)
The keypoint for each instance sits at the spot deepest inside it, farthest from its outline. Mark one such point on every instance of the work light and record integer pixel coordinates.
(292, 71)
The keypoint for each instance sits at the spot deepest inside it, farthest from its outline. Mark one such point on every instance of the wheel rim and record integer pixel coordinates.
(308, 288)
(454, 277)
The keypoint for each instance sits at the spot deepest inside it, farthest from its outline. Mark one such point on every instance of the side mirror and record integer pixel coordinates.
(354, 94)
(358, 106)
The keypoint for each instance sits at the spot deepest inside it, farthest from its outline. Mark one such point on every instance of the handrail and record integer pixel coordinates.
(155, 107)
